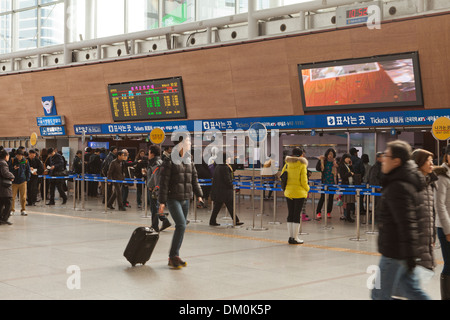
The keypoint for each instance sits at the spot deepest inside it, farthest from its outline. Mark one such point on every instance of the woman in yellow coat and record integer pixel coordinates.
(296, 192)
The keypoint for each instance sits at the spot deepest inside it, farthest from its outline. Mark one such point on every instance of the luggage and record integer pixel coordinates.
(141, 245)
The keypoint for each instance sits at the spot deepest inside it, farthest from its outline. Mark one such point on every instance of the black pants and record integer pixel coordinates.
(32, 190)
(5, 208)
(57, 183)
(329, 204)
(295, 207)
(116, 194)
(216, 209)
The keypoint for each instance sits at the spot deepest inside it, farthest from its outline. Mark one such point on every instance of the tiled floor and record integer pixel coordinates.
(39, 254)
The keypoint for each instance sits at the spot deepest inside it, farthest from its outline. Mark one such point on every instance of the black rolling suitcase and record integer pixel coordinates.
(141, 245)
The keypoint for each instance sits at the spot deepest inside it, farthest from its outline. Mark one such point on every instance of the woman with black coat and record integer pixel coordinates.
(5, 188)
(346, 173)
(222, 190)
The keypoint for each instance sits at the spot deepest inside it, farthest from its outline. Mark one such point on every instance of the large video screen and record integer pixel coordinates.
(382, 81)
(158, 99)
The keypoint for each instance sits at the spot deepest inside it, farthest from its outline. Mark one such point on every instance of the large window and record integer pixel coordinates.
(28, 24)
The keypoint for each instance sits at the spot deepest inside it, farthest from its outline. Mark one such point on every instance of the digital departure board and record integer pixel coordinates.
(157, 99)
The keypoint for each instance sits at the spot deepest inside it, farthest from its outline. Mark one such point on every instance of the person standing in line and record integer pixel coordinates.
(347, 178)
(36, 169)
(20, 168)
(178, 181)
(296, 191)
(399, 227)
(77, 168)
(115, 172)
(222, 190)
(56, 164)
(5, 188)
(328, 167)
(442, 201)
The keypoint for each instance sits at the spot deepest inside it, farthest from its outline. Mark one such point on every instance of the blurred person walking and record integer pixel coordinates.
(399, 227)
(442, 200)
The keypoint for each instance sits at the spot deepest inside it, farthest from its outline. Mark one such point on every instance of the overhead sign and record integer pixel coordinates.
(441, 128)
(322, 121)
(49, 105)
(53, 131)
(257, 132)
(157, 136)
(51, 121)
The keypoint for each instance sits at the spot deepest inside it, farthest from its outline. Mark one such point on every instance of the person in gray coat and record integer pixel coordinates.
(442, 202)
(5, 188)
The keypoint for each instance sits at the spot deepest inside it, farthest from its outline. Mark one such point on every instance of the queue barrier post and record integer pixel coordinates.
(358, 236)
(274, 189)
(372, 231)
(326, 226)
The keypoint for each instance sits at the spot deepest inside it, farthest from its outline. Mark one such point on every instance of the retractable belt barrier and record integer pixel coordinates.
(249, 183)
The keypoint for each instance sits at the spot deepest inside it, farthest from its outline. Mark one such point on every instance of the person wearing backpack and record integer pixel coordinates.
(20, 168)
(153, 181)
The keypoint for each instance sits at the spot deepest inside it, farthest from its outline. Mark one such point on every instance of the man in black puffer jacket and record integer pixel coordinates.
(178, 182)
(399, 229)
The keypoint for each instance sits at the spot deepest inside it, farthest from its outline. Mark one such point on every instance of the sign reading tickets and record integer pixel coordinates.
(441, 128)
(157, 136)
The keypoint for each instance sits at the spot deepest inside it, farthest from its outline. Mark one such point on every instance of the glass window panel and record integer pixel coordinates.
(209, 9)
(20, 4)
(175, 12)
(52, 25)
(27, 29)
(5, 5)
(5, 34)
(142, 15)
(110, 17)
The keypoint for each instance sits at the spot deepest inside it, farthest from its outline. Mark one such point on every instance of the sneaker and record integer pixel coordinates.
(23, 213)
(319, 216)
(329, 215)
(176, 263)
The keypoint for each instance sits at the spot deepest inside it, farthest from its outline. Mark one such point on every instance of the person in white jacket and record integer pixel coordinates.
(442, 205)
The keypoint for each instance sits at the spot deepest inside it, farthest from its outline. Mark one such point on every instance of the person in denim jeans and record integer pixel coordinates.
(179, 181)
(399, 228)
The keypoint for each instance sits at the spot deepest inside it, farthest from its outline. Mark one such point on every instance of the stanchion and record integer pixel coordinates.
(275, 205)
(145, 191)
(106, 195)
(45, 191)
(75, 192)
(254, 228)
(372, 197)
(358, 236)
(195, 211)
(326, 226)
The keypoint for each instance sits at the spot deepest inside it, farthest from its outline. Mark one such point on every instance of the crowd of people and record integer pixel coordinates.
(412, 213)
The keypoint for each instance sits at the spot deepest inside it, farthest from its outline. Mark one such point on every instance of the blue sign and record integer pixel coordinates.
(257, 132)
(98, 145)
(49, 105)
(324, 121)
(53, 131)
(50, 121)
